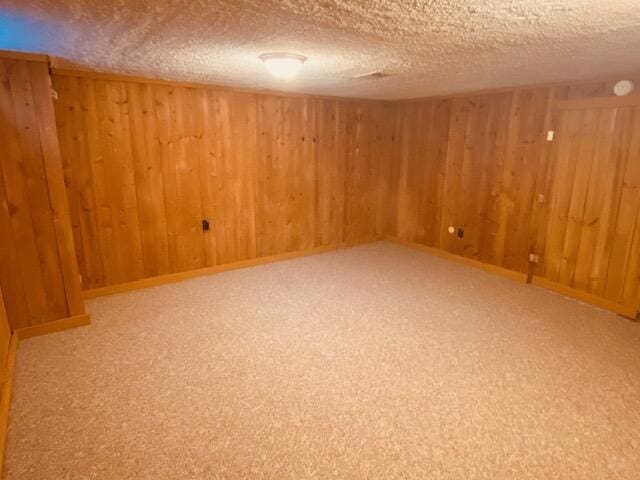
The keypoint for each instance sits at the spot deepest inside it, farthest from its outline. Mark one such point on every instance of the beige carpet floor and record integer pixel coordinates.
(376, 362)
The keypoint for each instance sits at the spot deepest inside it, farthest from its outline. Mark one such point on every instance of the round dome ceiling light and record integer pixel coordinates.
(623, 87)
(283, 65)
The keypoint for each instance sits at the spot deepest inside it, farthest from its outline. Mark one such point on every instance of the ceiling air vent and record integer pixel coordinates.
(372, 75)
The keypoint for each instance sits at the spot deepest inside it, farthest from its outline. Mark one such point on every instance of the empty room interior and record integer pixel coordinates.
(337, 239)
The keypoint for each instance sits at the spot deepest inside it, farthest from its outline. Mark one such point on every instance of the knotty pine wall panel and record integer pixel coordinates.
(480, 162)
(145, 163)
(38, 269)
(5, 334)
(592, 234)
(475, 162)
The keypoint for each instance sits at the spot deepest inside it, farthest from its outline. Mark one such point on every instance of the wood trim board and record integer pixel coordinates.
(5, 402)
(52, 327)
(57, 194)
(628, 311)
(6, 378)
(39, 274)
(598, 102)
(487, 267)
(181, 276)
(513, 88)
(96, 75)
(29, 57)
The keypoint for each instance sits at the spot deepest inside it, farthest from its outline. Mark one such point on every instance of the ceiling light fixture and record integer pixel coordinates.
(283, 65)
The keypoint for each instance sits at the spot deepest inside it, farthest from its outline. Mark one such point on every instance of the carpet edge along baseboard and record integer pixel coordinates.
(628, 311)
(487, 267)
(5, 399)
(52, 327)
(189, 274)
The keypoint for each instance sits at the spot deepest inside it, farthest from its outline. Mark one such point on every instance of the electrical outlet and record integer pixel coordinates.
(550, 135)
(460, 232)
(533, 258)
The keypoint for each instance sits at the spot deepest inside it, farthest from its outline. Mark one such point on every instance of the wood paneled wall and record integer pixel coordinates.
(38, 268)
(483, 164)
(5, 337)
(144, 163)
(470, 164)
(592, 234)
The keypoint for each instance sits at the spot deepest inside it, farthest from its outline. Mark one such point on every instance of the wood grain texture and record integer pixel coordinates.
(52, 327)
(480, 162)
(592, 231)
(5, 338)
(144, 164)
(38, 269)
(487, 267)
(5, 396)
(186, 275)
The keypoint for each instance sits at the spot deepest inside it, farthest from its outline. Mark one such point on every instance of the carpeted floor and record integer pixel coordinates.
(376, 362)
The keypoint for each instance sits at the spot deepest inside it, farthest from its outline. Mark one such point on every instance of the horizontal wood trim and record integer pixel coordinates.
(487, 267)
(52, 327)
(624, 310)
(30, 57)
(516, 88)
(181, 276)
(5, 399)
(115, 77)
(598, 102)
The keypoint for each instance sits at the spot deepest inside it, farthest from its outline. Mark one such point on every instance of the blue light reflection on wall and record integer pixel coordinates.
(22, 33)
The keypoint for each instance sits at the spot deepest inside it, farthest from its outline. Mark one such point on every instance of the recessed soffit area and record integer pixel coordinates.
(421, 47)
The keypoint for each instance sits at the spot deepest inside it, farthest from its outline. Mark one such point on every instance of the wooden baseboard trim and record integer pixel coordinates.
(52, 327)
(181, 276)
(624, 310)
(487, 267)
(5, 399)
(6, 378)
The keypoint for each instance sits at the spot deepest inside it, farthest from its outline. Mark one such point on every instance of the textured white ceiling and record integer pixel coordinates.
(431, 47)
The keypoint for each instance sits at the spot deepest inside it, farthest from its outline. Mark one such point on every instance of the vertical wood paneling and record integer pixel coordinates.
(17, 180)
(237, 125)
(276, 174)
(285, 183)
(145, 163)
(591, 233)
(329, 172)
(494, 164)
(527, 130)
(5, 333)
(38, 269)
(422, 149)
(368, 137)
